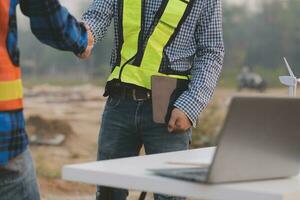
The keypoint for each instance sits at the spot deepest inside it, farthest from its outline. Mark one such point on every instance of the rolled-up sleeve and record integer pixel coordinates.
(207, 63)
(98, 17)
(53, 25)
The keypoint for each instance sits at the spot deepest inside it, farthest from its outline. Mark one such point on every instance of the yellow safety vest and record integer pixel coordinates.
(135, 64)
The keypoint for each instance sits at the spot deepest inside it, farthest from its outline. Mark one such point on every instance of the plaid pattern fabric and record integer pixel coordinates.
(12, 36)
(198, 47)
(53, 25)
(13, 137)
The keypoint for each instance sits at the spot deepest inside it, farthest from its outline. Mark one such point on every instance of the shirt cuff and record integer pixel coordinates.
(92, 28)
(190, 106)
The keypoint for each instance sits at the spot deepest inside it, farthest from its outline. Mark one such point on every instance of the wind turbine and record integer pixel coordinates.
(290, 81)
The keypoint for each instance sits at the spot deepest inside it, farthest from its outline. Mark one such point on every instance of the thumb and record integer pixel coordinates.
(172, 123)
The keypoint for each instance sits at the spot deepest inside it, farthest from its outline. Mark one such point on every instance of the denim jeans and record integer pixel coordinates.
(18, 179)
(126, 126)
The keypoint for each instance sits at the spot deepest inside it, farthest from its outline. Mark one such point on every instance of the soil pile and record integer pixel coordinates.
(48, 132)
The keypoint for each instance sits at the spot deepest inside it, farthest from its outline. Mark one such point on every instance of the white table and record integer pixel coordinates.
(132, 173)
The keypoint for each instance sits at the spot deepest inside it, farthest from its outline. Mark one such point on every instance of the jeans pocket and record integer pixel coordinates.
(112, 102)
(11, 172)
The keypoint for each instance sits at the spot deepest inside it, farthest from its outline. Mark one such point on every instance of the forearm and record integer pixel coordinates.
(207, 63)
(205, 74)
(53, 25)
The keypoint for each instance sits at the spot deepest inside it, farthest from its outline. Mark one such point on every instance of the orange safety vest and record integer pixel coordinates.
(11, 92)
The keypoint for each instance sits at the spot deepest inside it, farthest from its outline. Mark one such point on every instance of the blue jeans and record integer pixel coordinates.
(126, 126)
(18, 179)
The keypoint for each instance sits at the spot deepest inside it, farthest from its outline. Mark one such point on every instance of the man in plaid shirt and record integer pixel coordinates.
(195, 48)
(53, 25)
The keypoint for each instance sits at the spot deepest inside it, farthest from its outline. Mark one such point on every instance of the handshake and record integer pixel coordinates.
(88, 51)
(54, 26)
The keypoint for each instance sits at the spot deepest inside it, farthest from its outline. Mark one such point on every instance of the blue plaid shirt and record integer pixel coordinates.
(53, 25)
(13, 138)
(198, 47)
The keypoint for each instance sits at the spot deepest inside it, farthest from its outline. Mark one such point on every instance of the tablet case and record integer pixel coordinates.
(165, 91)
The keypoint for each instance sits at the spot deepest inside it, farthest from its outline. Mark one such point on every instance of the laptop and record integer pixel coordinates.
(260, 140)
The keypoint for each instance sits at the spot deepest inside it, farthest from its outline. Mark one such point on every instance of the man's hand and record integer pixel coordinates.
(179, 122)
(88, 51)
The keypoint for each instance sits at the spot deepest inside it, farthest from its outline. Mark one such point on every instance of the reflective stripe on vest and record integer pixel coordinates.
(171, 15)
(132, 19)
(11, 91)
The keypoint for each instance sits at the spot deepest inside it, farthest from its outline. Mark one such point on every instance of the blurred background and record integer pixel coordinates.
(64, 102)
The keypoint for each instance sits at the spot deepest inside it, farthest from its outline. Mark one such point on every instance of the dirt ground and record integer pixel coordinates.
(80, 107)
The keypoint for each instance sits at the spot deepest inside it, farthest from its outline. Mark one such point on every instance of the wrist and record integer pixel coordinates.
(89, 43)
(90, 38)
